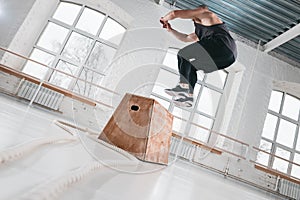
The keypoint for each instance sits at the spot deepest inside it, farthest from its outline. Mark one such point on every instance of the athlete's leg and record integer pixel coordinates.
(188, 78)
(188, 73)
(190, 59)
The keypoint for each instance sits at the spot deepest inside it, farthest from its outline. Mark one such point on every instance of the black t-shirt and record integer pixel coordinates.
(218, 33)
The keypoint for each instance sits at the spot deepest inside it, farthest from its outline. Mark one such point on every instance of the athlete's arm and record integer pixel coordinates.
(188, 14)
(181, 36)
(185, 37)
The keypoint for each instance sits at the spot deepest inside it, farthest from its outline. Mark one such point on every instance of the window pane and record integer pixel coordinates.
(87, 89)
(77, 47)
(282, 153)
(275, 101)
(286, 133)
(170, 59)
(66, 12)
(90, 21)
(179, 125)
(53, 37)
(203, 121)
(61, 79)
(181, 113)
(35, 69)
(100, 57)
(295, 171)
(262, 157)
(164, 103)
(295, 168)
(291, 107)
(209, 101)
(280, 164)
(112, 31)
(199, 133)
(269, 126)
(196, 90)
(165, 80)
(217, 78)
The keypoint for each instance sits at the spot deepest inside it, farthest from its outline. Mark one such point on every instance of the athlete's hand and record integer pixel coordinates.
(165, 24)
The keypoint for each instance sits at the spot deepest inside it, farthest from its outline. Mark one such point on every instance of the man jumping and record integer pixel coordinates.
(213, 49)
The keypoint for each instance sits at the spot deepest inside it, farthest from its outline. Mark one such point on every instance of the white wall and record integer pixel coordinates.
(12, 15)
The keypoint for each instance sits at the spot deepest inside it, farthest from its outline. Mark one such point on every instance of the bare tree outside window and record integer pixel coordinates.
(78, 41)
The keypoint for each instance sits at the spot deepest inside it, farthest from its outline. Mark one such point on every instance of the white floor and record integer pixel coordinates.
(76, 167)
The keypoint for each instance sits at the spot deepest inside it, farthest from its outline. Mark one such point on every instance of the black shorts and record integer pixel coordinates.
(210, 54)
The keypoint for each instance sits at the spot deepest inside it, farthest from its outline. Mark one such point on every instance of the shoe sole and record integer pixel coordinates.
(174, 94)
(185, 104)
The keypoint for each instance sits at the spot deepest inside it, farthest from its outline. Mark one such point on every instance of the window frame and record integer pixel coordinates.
(37, 18)
(274, 143)
(58, 57)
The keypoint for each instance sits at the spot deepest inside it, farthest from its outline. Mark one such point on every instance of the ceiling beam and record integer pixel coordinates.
(283, 38)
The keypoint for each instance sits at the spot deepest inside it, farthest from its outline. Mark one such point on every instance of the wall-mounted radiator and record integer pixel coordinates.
(182, 149)
(41, 95)
(289, 189)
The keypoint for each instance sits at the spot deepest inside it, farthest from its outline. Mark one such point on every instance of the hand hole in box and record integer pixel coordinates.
(135, 107)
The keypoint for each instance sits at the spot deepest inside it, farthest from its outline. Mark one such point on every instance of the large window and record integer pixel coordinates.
(196, 122)
(280, 135)
(78, 43)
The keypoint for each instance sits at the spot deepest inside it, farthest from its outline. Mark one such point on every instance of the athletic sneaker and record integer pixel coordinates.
(176, 91)
(184, 101)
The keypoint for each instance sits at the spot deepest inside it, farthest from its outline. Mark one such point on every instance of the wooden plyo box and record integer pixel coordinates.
(142, 127)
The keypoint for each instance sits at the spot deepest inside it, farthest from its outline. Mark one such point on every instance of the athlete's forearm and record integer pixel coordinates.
(187, 14)
(169, 16)
(180, 36)
(183, 14)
